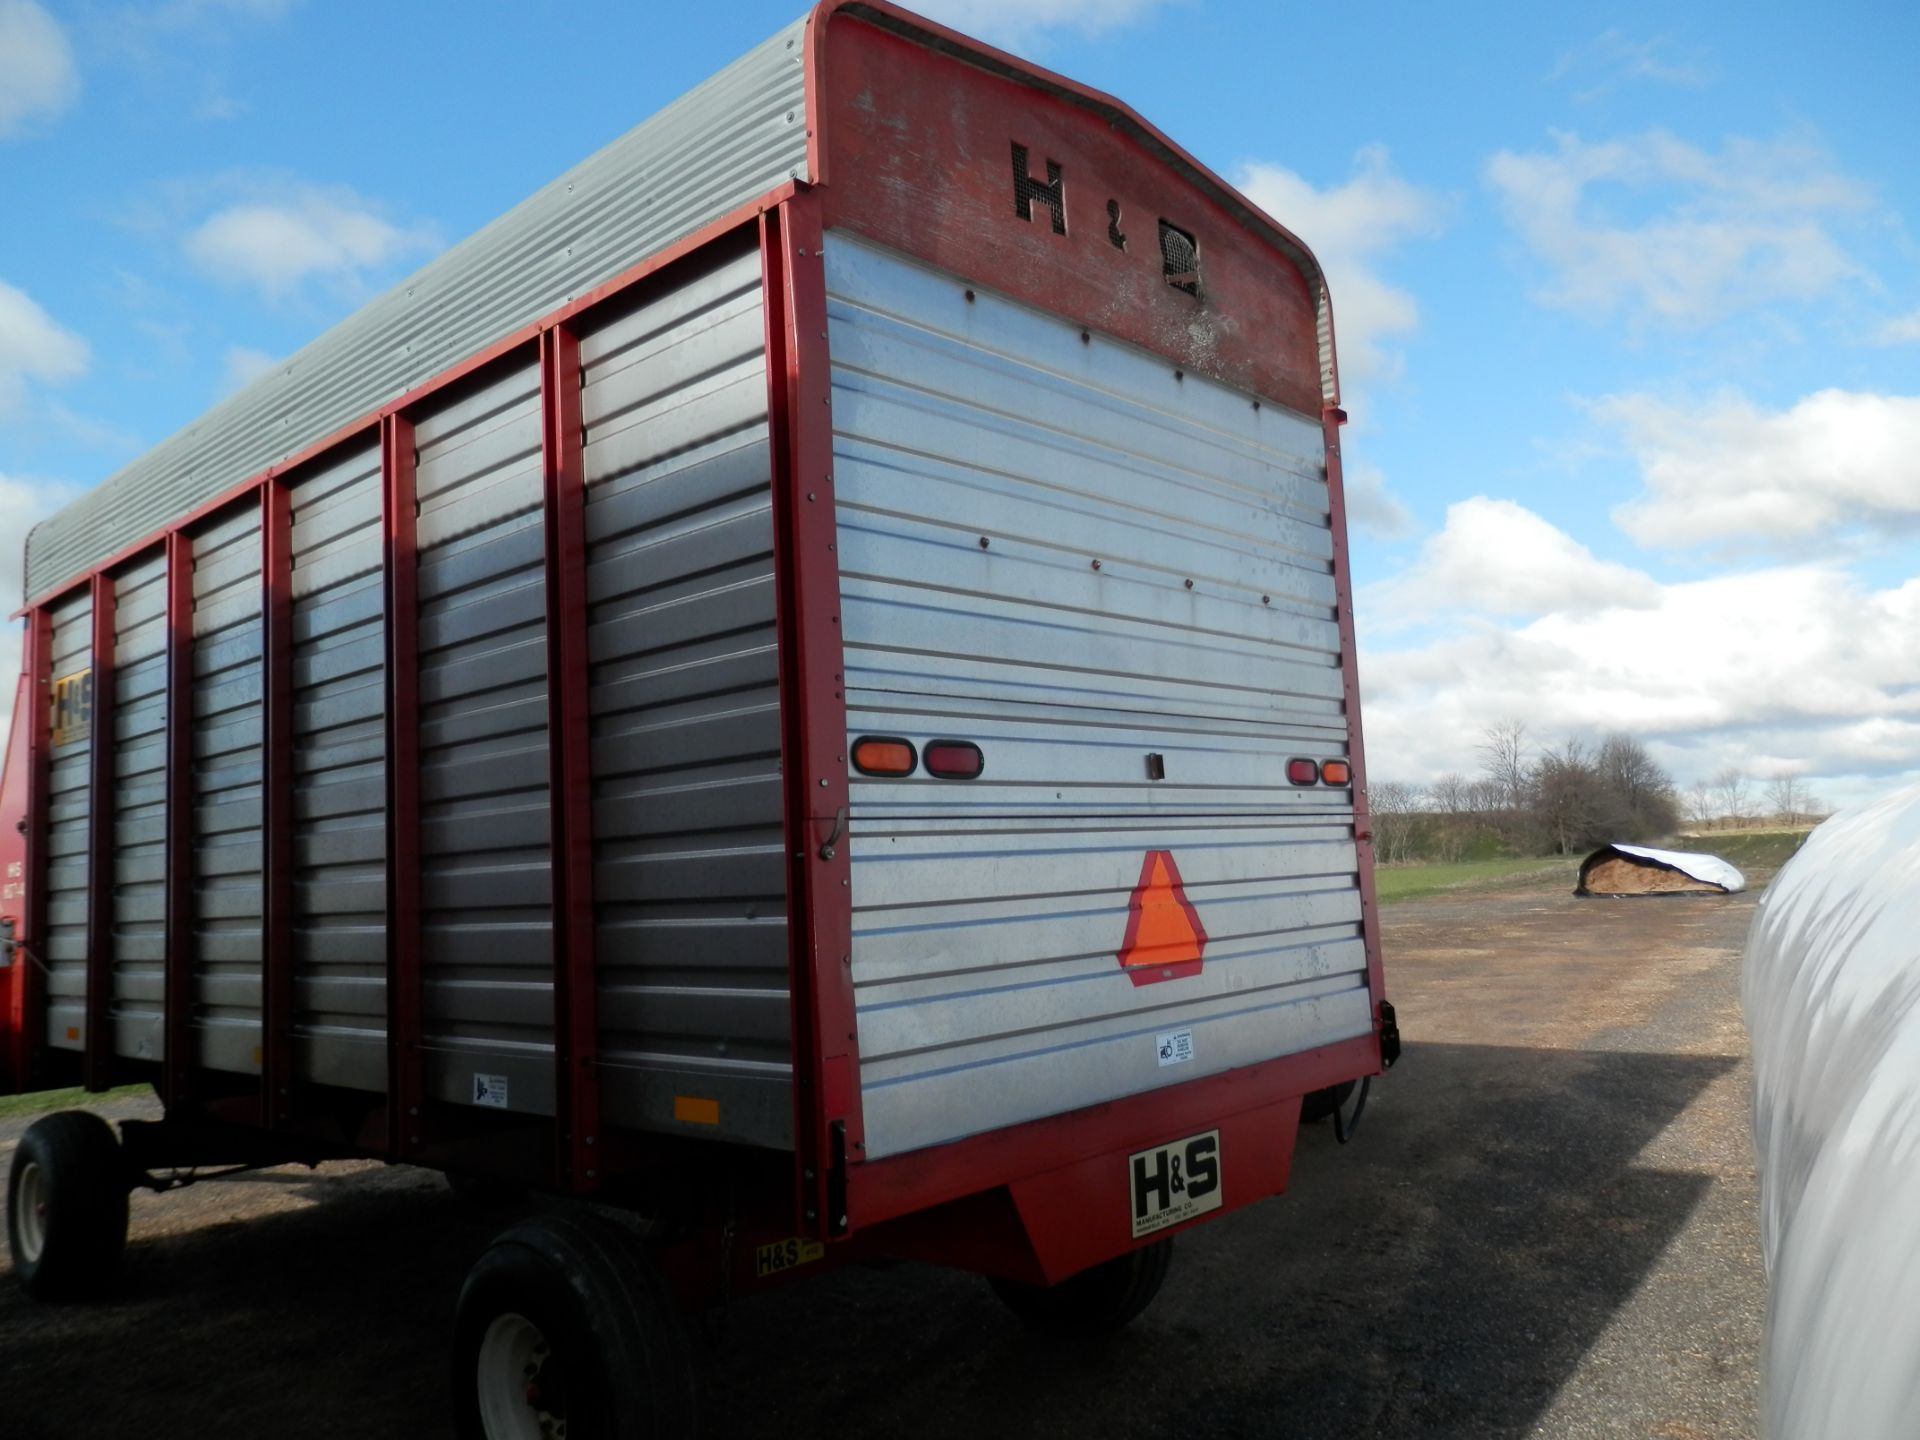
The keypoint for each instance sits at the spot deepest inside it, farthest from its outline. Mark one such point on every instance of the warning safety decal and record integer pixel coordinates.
(1174, 1183)
(1164, 939)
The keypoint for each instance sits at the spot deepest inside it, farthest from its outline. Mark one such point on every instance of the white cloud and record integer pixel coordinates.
(1660, 229)
(1351, 228)
(1901, 330)
(1725, 469)
(23, 504)
(1010, 22)
(241, 366)
(1800, 667)
(37, 74)
(33, 346)
(1372, 508)
(1614, 56)
(1493, 557)
(280, 241)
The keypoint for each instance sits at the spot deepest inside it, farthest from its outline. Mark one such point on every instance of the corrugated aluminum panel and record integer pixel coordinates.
(486, 849)
(734, 137)
(228, 755)
(689, 873)
(988, 915)
(140, 807)
(339, 773)
(69, 808)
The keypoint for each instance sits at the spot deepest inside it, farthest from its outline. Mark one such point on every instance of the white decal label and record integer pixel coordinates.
(1174, 1183)
(490, 1090)
(1176, 1047)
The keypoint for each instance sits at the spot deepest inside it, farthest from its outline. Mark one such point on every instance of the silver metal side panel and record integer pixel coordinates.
(486, 850)
(731, 139)
(689, 876)
(69, 808)
(139, 807)
(339, 774)
(228, 900)
(989, 915)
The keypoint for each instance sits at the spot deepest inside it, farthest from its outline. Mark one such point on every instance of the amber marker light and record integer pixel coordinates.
(883, 755)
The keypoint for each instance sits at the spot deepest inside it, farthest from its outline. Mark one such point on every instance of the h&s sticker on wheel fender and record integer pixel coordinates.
(785, 1255)
(1173, 1183)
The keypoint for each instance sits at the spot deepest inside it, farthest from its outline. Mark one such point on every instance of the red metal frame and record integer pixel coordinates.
(1330, 422)
(276, 811)
(29, 987)
(828, 1133)
(576, 1008)
(177, 984)
(405, 1063)
(97, 1054)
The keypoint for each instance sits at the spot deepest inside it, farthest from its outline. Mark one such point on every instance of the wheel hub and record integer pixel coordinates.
(521, 1386)
(30, 1213)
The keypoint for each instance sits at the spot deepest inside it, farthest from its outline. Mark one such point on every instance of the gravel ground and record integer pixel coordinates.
(1546, 1227)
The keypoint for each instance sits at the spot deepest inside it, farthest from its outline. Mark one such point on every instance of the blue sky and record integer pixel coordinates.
(1628, 297)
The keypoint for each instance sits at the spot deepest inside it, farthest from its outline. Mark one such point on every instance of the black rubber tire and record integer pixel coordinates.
(606, 1313)
(484, 1192)
(83, 1186)
(1098, 1301)
(1320, 1104)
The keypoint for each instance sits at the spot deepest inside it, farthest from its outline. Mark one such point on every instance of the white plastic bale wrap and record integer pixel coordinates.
(1832, 995)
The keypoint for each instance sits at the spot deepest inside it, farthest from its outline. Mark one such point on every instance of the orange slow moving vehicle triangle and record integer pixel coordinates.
(1165, 939)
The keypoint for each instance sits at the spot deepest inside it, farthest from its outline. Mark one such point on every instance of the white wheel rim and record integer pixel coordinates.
(30, 1213)
(515, 1382)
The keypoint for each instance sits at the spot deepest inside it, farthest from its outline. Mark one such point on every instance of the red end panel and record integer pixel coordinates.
(176, 1079)
(14, 869)
(575, 992)
(919, 148)
(276, 821)
(903, 1184)
(827, 1130)
(405, 1082)
(1330, 422)
(1084, 1213)
(97, 1061)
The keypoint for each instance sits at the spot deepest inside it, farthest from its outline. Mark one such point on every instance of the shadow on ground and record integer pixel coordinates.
(1443, 1275)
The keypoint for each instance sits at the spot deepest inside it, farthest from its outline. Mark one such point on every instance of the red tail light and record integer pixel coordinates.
(1303, 772)
(883, 755)
(1336, 772)
(954, 759)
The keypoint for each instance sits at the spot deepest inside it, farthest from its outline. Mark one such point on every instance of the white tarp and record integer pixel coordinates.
(1832, 995)
(1707, 869)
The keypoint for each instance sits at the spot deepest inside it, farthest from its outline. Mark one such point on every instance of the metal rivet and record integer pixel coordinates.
(983, 542)
(1189, 584)
(1085, 338)
(1266, 599)
(810, 1214)
(592, 1174)
(590, 1139)
(1096, 564)
(823, 782)
(969, 297)
(1179, 374)
(809, 495)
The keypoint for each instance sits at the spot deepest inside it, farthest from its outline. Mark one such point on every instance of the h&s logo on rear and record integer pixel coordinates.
(1173, 1183)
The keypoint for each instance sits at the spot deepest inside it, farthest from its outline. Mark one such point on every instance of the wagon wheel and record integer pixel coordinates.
(67, 1206)
(565, 1330)
(1319, 1104)
(1097, 1301)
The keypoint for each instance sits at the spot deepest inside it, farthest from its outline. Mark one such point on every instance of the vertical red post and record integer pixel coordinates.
(827, 1129)
(176, 1079)
(1331, 419)
(405, 1063)
(575, 992)
(276, 810)
(30, 988)
(97, 1058)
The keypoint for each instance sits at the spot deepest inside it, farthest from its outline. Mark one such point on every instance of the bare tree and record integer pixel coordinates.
(1732, 794)
(1393, 807)
(1637, 793)
(1569, 803)
(1699, 801)
(1449, 793)
(1787, 800)
(1503, 760)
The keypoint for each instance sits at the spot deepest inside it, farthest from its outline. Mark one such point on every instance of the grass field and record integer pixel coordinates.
(1758, 853)
(40, 1101)
(1410, 882)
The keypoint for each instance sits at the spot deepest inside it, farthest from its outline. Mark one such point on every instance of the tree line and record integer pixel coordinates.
(1564, 800)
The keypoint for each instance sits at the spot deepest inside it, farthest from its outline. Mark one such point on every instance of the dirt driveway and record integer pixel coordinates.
(1546, 1226)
